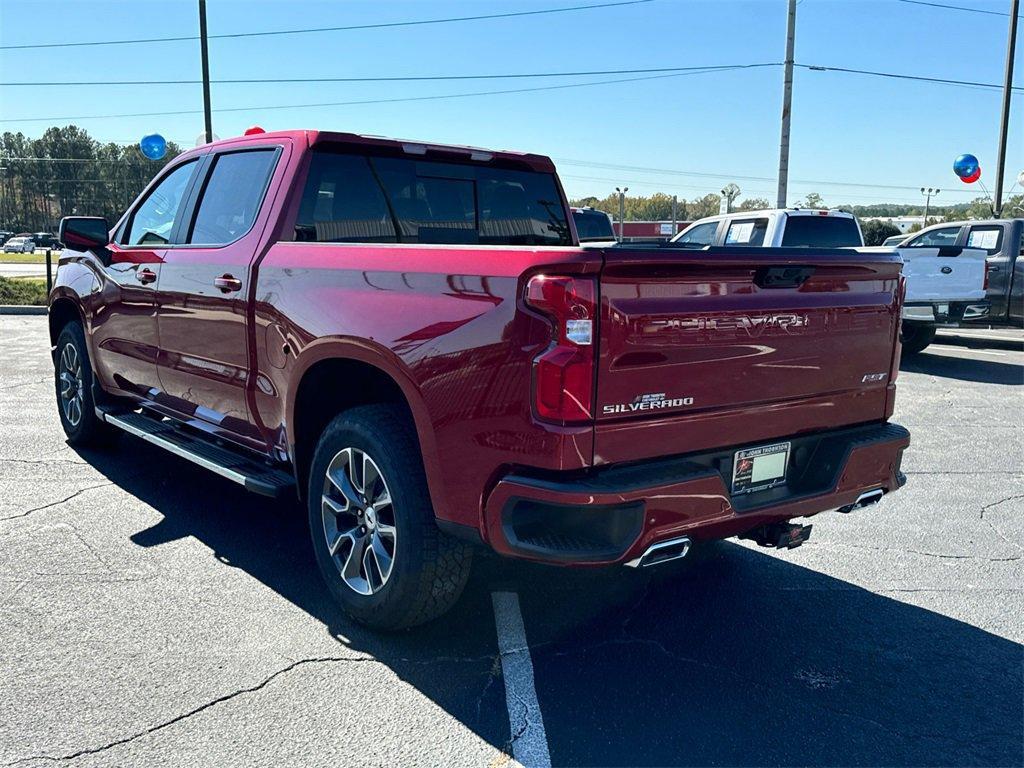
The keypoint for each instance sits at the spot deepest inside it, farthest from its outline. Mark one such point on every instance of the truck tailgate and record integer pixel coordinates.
(727, 346)
(946, 273)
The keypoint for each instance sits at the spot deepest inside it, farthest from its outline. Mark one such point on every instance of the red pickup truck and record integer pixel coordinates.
(409, 336)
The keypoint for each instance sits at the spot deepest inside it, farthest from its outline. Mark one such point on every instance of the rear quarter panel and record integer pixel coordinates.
(447, 323)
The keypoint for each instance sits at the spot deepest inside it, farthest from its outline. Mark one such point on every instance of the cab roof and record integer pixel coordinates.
(312, 138)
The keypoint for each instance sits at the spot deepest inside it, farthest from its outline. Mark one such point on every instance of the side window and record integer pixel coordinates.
(988, 238)
(702, 234)
(232, 196)
(152, 221)
(749, 232)
(936, 237)
(343, 203)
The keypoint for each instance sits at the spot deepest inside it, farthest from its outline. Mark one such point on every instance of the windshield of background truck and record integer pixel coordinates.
(592, 226)
(821, 232)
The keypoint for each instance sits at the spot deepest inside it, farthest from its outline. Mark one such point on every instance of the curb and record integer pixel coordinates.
(17, 309)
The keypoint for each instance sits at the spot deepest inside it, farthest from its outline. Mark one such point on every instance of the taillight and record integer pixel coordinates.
(897, 353)
(563, 375)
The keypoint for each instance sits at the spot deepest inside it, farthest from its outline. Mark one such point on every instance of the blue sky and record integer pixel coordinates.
(847, 129)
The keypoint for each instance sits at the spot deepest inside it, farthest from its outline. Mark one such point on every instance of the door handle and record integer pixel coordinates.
(228, 283)
(993, 269)
(145, 276)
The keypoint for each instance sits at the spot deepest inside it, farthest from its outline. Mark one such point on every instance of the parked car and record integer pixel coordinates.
(5, 235)
(593, 227)
(410, 337)
(775, 228)
(45, 240)
(19, 245)
(894, 240)
(1002, 243)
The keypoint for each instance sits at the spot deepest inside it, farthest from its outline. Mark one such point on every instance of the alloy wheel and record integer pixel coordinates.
(359, 521)
(72, 388)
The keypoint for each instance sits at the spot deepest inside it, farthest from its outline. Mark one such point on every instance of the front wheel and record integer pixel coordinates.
(74, 379)
(372, 524)
(915, 337)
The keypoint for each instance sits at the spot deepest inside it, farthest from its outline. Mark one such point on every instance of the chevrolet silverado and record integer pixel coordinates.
(409, 337)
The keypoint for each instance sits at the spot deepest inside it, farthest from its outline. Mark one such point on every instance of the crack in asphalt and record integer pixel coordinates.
(56, 503)
(236, 693)
(990, 524)
(197, 710)
(44, 461)
(25, 384)
(922, 553)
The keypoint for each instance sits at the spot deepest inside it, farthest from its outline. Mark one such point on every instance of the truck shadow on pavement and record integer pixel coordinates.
(964, 369)
(742, 659)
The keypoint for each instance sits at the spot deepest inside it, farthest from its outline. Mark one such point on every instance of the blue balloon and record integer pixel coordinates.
(153, 146)
(965, 165)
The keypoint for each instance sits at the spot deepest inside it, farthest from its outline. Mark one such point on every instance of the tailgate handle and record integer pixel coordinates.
(782, 277)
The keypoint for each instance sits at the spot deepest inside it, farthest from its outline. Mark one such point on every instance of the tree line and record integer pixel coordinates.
(64, 172)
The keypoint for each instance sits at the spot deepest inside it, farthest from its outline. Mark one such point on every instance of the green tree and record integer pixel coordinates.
(65, 172)
(754, 204)
(875, 232)
(813, 200)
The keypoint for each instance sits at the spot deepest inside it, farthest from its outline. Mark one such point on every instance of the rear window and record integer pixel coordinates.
(592, 226)
(357, 199)
(821, 232)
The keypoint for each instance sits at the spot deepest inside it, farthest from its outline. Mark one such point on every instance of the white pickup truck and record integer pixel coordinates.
(946, 283)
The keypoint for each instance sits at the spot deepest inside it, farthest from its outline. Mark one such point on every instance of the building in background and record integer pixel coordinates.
(649, 231)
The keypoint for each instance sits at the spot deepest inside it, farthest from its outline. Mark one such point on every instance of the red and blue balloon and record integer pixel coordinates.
(967, 168)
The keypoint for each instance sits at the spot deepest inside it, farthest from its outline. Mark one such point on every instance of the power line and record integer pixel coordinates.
(304, 31)
(388, 79)
(499, 76)
(898, 76)
(956, 7)
(268, 108)
(732, 176)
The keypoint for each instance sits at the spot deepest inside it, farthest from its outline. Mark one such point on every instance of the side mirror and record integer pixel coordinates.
(84, 233)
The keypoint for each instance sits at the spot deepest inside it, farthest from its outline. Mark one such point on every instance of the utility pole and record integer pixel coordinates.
(675, 214)
(787, 107)
(927, 192)
(1011, 44)
(622, 210)
(206, 70)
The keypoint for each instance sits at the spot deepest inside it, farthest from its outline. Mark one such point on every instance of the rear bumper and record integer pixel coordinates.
(614, 514)
(947, 312)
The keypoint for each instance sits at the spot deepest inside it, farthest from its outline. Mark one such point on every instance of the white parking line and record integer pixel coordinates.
(968, 349)
(529, 740)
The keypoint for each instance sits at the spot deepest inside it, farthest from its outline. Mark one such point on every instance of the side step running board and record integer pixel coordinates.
(234, 465)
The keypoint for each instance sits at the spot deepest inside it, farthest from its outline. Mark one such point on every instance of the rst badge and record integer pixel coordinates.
(649, 402)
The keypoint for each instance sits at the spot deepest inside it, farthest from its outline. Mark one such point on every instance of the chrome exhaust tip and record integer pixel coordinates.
(866, 499)
(662, 552)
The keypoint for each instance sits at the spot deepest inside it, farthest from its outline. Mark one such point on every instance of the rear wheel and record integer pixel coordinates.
(372, 524)
(74, 379)
(915, 337)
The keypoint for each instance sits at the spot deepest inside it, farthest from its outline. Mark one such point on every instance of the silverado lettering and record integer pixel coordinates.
(286, 310)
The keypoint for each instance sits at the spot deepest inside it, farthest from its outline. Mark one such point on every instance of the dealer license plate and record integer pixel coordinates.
(757, 469)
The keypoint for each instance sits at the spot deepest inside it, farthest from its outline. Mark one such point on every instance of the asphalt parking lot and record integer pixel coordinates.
(153, 614)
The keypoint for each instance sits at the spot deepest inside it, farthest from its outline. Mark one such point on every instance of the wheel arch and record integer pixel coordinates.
(352, 374)
(64, 308)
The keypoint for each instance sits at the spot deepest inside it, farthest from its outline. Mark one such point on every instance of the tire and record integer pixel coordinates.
(915, 337)
(73, 380)
(350, 514)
